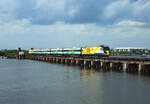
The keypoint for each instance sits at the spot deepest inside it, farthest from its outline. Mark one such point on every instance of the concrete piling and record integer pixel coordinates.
(139, 68)
(125, 66)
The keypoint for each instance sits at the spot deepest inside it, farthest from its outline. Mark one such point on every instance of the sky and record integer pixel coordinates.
(66, 23)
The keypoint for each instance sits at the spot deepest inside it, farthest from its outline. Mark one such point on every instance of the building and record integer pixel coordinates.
(131, 50)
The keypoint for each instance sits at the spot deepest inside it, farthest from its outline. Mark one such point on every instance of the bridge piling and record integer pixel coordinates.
(111, 65)
(72, 62)
(125, 66)
(101, 64)
(92, 64)
(76, 62)
(139, 68)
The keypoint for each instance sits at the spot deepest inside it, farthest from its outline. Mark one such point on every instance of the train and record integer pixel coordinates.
(88, 51)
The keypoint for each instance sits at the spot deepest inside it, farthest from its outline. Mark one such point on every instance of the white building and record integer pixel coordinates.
(131, 49)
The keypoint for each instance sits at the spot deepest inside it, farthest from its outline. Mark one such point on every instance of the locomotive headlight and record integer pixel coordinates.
(107, 52)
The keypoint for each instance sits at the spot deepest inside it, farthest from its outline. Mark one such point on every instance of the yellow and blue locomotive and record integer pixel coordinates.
(96, 51)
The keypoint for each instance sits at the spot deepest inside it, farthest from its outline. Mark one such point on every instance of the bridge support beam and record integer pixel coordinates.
(72, 61)
(77, 62)
(101, 64)
(84, 63)
(92, 64)
(125, 66)
(57, 60)
(46, 58)
(62, 61)
(140, 66)
(111, 65)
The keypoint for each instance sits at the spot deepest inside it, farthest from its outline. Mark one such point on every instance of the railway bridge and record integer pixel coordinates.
(124, 64)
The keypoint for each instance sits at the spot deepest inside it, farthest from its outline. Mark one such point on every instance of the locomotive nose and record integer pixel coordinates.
(107, 52)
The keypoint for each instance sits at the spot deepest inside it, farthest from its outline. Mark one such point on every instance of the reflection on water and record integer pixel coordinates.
(87, 73)
(34, 82)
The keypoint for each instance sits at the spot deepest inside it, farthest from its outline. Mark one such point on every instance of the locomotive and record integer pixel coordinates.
(89, 51)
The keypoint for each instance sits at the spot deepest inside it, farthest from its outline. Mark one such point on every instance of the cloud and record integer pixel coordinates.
(45, 12)
(23, 33)
(136, 10)
(50, 11)
(130, 23)
(59, 23)
(117, 8)
(14, 27)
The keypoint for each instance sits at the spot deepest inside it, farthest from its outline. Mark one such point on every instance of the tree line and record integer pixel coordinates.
(10, 52)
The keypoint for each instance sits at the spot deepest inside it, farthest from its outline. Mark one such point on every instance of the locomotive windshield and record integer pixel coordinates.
(106, 49)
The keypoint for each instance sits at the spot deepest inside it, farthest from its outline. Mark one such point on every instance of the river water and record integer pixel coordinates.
(35, 82)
